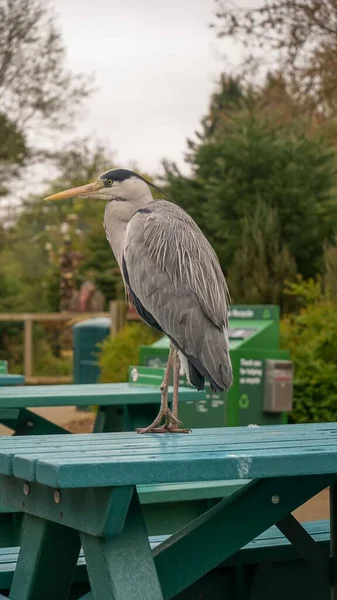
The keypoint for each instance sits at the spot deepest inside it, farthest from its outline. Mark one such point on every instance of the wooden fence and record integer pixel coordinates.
(117, 313)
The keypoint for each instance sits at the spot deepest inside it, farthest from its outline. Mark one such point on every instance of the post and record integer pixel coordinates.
(113, 317)
(28, 348)
(117, 316)
(121, 314)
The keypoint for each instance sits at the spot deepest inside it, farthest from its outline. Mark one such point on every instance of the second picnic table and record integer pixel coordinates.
(121, 406)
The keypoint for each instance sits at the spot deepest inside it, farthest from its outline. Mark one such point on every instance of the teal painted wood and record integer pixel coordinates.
(333, 539)
(102, 394)
(3, 367)
(6, 380)
(204, 455)
(269, 545)
(176, 492)
(10, 528)
(29, 423)
(8, 562)
(272, 538)
(47, 561)
(108, 559)
(215, 536)
(92, 511)
(256, 551)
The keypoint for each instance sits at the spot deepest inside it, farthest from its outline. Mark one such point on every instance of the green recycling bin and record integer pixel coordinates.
(262, 391)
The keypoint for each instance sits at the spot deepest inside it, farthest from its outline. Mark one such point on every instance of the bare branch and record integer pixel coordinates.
(301, 34)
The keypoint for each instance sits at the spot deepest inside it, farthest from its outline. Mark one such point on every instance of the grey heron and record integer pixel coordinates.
(173, 278)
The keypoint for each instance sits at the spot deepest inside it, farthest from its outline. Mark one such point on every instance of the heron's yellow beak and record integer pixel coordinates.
(82, 190)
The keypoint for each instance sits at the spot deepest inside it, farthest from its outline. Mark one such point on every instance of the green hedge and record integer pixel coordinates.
(118, 353)
(311, 337)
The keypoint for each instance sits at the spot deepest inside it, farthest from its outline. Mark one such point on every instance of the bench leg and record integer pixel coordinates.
(220, 532)
(333, 539)
(121, 567)
(47, 561)
(29, 423)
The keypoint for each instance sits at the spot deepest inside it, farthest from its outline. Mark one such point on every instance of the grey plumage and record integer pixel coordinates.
(175, 274)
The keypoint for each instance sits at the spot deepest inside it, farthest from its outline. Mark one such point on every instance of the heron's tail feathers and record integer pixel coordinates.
(215, 360)
(208, 356)
(206, 348)
(196, 379)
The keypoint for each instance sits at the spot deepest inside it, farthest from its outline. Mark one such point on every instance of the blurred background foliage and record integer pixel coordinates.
(261, 184)
(115, 355)
(311, 337)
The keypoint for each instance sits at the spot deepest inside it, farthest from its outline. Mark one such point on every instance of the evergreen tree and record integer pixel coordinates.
(261, 263)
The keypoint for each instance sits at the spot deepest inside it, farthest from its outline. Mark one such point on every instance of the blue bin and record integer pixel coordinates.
(86, 337)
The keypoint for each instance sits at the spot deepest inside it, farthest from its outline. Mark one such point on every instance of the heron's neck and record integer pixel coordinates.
(117, 216)
(116, 241)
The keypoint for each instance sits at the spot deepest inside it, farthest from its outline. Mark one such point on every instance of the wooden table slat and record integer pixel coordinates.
(123, 459)
(25, 464)
(128, 458)
(103, 394)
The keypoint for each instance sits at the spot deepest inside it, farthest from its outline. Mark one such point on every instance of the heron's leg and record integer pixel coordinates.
(176, 373)
(164, 412)
(174, 424)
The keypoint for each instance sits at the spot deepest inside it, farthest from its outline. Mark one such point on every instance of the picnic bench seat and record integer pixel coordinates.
(257, 552)
(81, 491)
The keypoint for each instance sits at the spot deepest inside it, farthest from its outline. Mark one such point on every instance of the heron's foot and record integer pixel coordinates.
(174, 429)
(171, 424)
(151, 429)
(155, 426)
(174, 425)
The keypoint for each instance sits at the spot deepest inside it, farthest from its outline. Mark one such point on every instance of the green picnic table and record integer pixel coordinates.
(81, 491)
(122, 406)
(7, 380)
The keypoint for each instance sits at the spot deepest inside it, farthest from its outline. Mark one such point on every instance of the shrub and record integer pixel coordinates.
(118, 353)
(311, 337)
(45, 363)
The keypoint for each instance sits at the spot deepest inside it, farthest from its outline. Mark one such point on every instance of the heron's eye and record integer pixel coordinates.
(109, 181)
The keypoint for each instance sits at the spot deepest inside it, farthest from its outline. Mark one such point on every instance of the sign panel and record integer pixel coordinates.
(257, 312)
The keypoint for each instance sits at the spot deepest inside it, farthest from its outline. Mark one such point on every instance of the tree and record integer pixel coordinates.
(261, 264)
(298, 36)
(190, 192)
(37, 238)
(282, 166)
(13, 151)
(227, 98)
(36, 88)
(329, 277)
(37, 92)
(251, 157)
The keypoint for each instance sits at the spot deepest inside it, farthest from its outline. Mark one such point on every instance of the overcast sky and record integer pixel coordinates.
(155, 63)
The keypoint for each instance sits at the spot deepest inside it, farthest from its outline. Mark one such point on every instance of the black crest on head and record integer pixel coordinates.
(119, 175)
